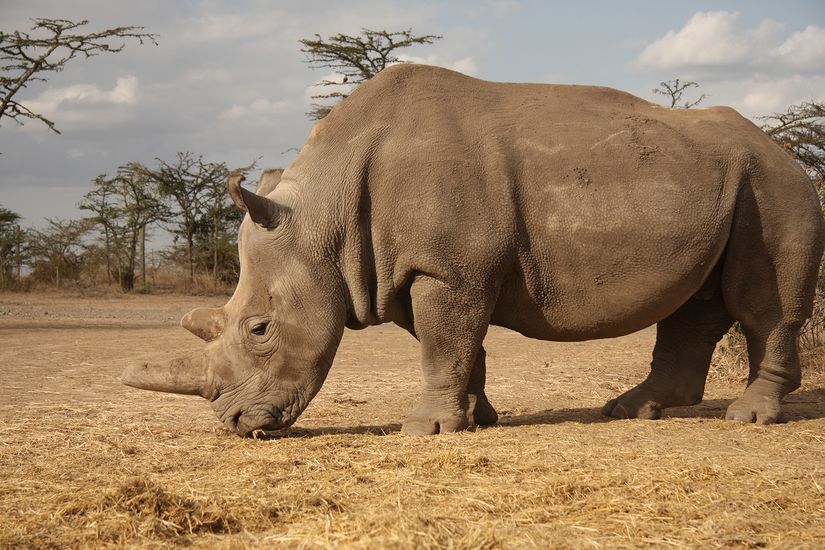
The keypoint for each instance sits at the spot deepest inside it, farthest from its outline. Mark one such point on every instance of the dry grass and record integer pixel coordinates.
(120, 467)
(102, 481)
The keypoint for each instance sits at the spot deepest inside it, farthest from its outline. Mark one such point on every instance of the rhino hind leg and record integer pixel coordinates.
(685, 341)
(771, 308)
(451, 324)
(768, 283)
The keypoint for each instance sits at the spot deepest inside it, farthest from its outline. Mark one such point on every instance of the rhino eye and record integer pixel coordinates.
(259, 329)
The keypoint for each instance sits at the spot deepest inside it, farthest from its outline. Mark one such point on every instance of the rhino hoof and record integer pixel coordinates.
(755, 409)
(416, 425)
(622, 408)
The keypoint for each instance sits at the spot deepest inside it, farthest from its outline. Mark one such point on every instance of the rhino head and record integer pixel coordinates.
(269, 349)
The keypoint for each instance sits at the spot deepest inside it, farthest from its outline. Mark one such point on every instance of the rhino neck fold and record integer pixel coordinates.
(342, 199)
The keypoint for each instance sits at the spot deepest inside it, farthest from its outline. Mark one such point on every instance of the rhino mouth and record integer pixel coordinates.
(247, 424)
(245, 421)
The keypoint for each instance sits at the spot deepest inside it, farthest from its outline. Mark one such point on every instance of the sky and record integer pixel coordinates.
(227, 79)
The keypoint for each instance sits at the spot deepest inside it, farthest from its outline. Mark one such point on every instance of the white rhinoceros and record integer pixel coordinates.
(443, 204)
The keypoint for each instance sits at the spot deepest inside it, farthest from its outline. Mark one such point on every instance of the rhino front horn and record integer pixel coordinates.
(183, 376)
(204, 322)
(263, 211)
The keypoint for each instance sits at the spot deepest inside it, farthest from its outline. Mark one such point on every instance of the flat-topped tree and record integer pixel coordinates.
(26, 57)
(801, 131)
(356, 58)
(9, 243)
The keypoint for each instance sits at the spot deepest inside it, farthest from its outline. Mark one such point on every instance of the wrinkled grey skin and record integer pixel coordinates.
(444, 204)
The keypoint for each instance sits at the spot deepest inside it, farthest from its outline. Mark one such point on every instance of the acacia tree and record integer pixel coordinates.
(142, 205)
(221, 222)
(124, 206)
(356, 58)
(103, 203)
(195, 191)
(675, 89)
(800, 130)
(10, 242)
(26, 57)
(58, 249)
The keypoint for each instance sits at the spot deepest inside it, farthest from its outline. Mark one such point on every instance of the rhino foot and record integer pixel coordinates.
(654, 394)
(756, 406)
(620, 408)
(638, 402)
(426, 421)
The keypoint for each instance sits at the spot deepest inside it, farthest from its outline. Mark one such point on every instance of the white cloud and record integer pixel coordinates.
(755, 69)
(50, 101)
(466, 65)
(259, 110)
(86, 105)
(709, 39)
(316, 88)
(218, 27)
(771, 96)
(804, 49)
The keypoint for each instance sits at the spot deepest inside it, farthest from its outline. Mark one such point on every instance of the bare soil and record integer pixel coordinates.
(88, 462)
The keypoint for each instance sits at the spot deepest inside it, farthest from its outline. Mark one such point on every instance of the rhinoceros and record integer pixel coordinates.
(444, 204)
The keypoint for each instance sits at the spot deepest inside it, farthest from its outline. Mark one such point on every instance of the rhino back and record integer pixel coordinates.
(592, 212)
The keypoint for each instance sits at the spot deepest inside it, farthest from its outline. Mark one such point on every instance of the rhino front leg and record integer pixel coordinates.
(450, 323)
(480, 411)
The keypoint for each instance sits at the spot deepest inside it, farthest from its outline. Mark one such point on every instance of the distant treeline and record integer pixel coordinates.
(186, 197)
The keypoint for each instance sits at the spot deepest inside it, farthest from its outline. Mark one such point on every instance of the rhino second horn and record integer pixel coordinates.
(263, 211)
(184, 376)
(204, 322)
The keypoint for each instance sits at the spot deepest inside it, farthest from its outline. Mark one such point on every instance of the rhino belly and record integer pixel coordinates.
(607, 266)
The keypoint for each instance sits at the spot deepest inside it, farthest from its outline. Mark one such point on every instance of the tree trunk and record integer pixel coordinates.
(215, 248)
(128, 280)
(143, 257)
(191, 244)
(18, 243)
(108, 257)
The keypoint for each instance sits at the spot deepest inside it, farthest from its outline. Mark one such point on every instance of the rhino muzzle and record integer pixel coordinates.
(267, 412)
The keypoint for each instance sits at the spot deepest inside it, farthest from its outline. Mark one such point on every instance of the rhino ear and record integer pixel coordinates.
(263, 211)
(269, 179)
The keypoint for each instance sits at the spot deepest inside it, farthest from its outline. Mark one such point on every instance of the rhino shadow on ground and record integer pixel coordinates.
(800, 405)
(378, 429)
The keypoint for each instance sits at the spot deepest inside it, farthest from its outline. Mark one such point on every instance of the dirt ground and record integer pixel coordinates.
(88, 462)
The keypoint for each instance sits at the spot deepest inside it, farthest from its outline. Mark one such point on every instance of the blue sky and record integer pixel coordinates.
(228, 81)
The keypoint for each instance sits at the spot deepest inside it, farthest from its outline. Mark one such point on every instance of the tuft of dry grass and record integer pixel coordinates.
(730, 360)
(141, 508)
